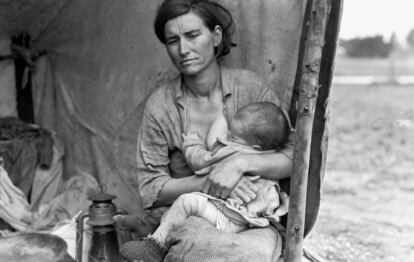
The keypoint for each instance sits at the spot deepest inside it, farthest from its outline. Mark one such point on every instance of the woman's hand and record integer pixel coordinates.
(223, 176)
(245, 190)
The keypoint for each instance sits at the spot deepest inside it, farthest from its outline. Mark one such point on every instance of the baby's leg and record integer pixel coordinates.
(185, 206)
(154, 248)
(224, 223)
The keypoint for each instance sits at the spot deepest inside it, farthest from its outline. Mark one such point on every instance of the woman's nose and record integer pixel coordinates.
(184, 50)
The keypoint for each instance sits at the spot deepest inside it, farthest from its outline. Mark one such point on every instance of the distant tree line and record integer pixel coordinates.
(370, 47)
(374, 46)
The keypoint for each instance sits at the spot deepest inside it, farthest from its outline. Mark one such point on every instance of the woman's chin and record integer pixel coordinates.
(190, 71)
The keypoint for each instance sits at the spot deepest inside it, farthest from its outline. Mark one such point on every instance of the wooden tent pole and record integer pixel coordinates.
(301, 53)
(308, 91)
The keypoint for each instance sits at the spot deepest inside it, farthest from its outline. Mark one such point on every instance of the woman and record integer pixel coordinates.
(196, 34)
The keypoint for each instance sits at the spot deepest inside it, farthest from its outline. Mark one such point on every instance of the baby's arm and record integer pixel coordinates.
(195, 151)
(218, 129)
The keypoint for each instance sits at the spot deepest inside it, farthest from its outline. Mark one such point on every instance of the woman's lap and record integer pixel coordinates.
(197, 240)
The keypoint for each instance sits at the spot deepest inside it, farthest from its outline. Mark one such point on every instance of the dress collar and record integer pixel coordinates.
(226, 79)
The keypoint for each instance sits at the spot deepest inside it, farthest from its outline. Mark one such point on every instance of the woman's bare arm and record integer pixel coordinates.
(273, 166)
(178, 186)
(227, 173)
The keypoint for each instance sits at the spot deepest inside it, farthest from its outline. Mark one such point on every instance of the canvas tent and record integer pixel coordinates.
(101, 60)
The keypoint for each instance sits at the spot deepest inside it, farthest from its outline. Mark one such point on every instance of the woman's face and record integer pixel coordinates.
(190, 44)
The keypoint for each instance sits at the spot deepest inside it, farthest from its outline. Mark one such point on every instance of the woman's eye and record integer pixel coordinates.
(191, 36)
(171, 41)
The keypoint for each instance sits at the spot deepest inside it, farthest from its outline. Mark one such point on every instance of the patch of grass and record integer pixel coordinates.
(369, 169)
(372, 127)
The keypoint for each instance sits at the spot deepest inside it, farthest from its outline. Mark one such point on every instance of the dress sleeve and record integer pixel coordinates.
(269, 95)
(152, 161)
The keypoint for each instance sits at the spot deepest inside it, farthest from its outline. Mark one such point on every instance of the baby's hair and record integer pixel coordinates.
(263, 124)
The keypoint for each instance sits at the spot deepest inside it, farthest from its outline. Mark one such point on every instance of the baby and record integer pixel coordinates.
(256, 128)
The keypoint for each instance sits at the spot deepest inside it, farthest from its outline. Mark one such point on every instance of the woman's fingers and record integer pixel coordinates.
(247, 185)
(246, 194)
(237, 199)
(245, 190)
(224, 194)
(251, 186)
(213, 190)
(222, 177)
(219, 189)
(225, 174)
(241, 196)
(206, 187)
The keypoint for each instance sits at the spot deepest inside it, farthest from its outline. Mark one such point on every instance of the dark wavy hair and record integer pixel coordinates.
(210, 12)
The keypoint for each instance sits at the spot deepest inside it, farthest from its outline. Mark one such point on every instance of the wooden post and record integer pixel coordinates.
(308, 92)
(320, 129)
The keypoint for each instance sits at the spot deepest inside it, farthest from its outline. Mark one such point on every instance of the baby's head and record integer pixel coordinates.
(261, 125)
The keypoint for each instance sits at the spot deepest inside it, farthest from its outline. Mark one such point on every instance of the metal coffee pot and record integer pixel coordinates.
(104, 246)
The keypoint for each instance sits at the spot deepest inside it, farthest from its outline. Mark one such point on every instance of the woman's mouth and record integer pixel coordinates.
(187, 61)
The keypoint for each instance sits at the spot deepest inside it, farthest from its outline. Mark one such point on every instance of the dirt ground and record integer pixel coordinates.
(367, 207)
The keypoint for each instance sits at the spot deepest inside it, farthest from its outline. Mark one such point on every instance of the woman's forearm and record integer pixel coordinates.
(225, 174)
(178, 186)
(273, 166)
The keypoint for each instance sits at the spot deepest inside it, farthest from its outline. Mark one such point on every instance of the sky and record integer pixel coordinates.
(370, 17)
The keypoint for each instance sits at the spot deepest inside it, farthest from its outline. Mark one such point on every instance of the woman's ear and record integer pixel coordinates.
(218, 35)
